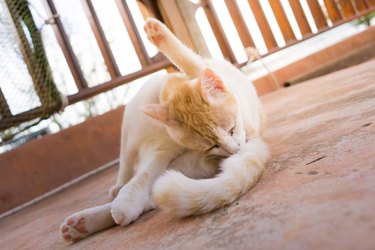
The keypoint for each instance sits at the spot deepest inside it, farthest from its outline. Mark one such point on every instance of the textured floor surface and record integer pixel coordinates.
(318, 191)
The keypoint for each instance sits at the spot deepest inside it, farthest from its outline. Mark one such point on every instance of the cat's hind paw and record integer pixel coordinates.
(155, 31)
(73, 229)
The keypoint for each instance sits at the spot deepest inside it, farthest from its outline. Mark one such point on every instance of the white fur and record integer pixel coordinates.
(146, 144)
(238, 174)
(148, 149)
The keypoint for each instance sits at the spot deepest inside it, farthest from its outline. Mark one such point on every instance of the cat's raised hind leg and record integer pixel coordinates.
(180, 55)
(86, 222)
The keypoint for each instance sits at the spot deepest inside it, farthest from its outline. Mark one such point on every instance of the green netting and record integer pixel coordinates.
(27, 91)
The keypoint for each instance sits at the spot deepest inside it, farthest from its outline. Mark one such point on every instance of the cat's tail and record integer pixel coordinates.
(181, 196)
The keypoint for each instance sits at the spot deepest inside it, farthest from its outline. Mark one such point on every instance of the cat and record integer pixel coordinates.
(190, 142)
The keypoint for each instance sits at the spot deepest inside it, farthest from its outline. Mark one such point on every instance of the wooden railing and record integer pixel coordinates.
(311, 17)
(149, 64)
(325, 15)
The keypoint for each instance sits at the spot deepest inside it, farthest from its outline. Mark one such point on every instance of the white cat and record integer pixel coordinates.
(205, 123)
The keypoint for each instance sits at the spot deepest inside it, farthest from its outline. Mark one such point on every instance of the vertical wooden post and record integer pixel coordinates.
(300, 16)
(66, 48)
(174, 20)
(188, 10)
(370, 2)
(317, 13)
(100, 38)
(347, 8)
(133, 33)
(218, 31)
(262, 22)
(333, 11)
(4, 108)
(239, 23)
(283, 21)
(360, 5)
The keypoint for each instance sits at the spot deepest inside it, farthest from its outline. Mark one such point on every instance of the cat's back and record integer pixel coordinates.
(134, 119)
(149, 93)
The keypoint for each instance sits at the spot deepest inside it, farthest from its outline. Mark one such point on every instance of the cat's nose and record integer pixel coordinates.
(231, 150)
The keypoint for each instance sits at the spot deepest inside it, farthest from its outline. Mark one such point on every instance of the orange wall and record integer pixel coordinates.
(46, 163)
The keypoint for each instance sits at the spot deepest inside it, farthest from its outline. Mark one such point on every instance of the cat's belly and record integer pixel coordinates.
(196, 165)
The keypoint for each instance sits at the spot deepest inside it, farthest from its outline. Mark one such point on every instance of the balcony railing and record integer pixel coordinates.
(326, 15)
(268, 26)
(148, 64)
(293, 21)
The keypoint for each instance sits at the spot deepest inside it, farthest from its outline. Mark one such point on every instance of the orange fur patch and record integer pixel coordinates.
(187, 106)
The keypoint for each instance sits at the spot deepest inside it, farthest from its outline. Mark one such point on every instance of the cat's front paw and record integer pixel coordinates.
(155, 31)
(125, 210)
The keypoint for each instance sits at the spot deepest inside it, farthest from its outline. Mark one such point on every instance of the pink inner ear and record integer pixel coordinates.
(156, 111)
(211, 81)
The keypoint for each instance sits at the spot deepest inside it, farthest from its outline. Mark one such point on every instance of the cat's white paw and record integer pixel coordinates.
(125, 209)
(155, 31)
(73, 228)
(113, 191)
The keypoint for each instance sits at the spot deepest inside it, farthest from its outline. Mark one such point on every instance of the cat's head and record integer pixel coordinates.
(200, 115)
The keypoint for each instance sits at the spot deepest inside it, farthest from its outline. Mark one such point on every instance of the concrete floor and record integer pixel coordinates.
(318, 191)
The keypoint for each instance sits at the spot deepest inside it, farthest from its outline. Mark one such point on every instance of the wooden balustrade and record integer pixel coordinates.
(66, 48)
(264, 27)
(100, 38)
(239, 23)
(333, 11)
(361, 5)
(149, 65)
(300, 16)
(217, 28)
(325, 15)
(337, 13)
(282, 20)
(317, 14)
(347, 8)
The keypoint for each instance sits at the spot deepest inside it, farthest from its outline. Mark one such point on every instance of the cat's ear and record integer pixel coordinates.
(158, 112)
(212, 86)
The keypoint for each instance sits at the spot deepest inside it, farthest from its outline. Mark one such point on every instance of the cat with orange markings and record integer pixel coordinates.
(191, 142)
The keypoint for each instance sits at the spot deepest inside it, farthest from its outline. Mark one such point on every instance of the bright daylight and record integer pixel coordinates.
(187, 124)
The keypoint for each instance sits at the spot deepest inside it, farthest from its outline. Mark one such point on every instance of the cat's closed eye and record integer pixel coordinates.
(231, 131)
(212, 147)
